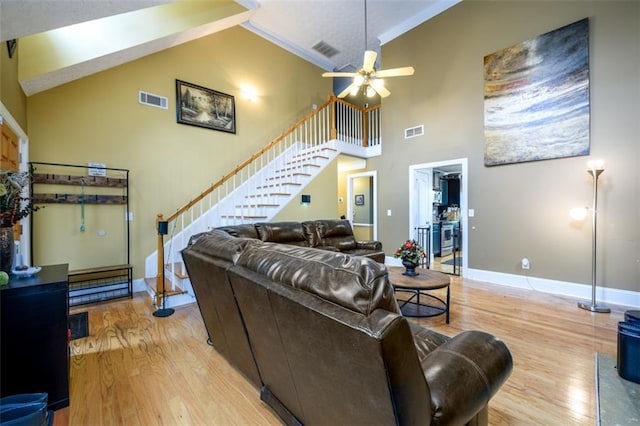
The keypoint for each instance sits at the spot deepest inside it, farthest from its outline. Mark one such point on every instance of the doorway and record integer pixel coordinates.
(15, 157)
(362, 205)
(437, 213)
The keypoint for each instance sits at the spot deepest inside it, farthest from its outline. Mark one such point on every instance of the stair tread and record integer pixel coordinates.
(242, 217)
(277, 184)
(257, 205)
(178, 270)
(267, 194)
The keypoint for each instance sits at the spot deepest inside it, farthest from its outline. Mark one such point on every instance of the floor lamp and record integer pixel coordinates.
(163, 229)
(595, 169)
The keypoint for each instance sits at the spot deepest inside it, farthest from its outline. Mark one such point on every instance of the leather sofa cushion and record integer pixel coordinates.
(356, 283)
(336, 233)
(247, 230)
(220, 243)
(282, 232)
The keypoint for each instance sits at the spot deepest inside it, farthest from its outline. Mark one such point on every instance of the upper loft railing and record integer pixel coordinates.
(335, 119)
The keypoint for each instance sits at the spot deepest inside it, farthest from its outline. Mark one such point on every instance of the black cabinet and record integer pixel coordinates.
(451, 192)
(34, 335)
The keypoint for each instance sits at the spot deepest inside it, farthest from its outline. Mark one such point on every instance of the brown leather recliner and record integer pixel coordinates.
(329, 342)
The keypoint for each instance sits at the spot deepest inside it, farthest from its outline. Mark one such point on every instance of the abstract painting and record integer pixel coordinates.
(536, 98)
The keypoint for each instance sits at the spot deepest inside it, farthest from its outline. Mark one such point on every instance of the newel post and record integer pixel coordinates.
(365, 127)
(160, 271)
(333, 131)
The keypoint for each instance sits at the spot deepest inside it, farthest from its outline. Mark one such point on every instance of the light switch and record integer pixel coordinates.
(472, 212)
(389, 212)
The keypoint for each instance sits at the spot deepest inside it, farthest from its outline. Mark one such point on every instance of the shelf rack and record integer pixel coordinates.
(99, 283)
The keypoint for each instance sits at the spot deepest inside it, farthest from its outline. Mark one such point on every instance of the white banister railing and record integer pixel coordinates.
(333, 120)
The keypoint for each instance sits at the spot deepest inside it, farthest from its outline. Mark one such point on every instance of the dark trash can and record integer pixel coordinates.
(632, 317)
(629, 351)
(28, 409)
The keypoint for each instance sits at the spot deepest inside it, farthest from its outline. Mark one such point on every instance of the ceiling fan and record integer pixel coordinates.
(367, 79)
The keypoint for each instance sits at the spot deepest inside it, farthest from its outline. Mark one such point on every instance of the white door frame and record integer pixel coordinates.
(464, 185)
(374, 202)
(23, 166)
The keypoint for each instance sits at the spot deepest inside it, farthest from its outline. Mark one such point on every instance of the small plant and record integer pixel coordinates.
(14, 206)
(410, 251)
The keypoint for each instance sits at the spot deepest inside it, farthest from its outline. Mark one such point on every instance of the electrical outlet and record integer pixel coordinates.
(525, 263)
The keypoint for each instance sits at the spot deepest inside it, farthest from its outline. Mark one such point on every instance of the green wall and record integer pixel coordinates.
(520, 209)
(98, 119)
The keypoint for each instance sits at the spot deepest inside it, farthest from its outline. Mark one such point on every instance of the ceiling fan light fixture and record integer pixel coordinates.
(370, 92)
(378, 83)
(358, 79)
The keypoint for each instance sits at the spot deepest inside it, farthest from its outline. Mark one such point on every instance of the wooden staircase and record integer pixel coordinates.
(257, 189)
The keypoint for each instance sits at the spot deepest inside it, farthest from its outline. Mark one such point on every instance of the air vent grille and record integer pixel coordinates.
(146, 98)
(413, 132)
(325, 49)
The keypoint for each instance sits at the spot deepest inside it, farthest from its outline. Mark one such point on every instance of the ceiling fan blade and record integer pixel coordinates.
(339, 74)
(382, 91)
(369, 60)
(346, 91)
(395, 72)
(377, 84)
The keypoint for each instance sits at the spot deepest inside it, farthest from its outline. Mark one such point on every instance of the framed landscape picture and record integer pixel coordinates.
(199, 106)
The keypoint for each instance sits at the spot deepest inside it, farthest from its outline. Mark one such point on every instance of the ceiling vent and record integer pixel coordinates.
(146, 98)
(412, 132)
(325, 49)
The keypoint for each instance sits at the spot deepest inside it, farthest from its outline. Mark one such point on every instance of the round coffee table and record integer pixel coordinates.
(427, 280)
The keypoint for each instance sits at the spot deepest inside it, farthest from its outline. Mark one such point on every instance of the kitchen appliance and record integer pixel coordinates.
(446, 239)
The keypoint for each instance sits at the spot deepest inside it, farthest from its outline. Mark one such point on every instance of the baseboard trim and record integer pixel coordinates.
(562, 288)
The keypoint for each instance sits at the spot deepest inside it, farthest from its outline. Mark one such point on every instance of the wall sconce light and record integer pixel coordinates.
(305, 199)
(595, 169)
(249, 93)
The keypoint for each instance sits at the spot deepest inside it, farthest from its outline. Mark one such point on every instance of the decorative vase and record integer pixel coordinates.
(6, 248)
(410, 268)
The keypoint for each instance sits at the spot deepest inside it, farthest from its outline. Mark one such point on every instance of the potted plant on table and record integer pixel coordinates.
(14, 206)
(411, 253)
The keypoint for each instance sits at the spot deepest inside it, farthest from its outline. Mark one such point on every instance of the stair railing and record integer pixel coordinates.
(335, 119)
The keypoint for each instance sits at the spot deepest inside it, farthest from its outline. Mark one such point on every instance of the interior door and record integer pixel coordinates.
(9, 159)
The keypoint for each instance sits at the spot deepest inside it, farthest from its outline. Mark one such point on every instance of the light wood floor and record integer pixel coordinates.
(136, 369)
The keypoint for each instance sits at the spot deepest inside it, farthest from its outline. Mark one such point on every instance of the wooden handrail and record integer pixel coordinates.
(248, 161)
(330, 102)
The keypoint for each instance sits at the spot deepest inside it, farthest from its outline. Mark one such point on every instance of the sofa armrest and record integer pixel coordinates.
(464, 373)
(369, 245)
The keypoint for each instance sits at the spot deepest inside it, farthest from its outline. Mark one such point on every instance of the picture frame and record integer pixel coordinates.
(11, 47)
(360, 200)
(203, 107)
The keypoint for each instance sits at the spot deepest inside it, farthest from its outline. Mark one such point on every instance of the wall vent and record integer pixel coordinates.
(325, 48)
(146, 98)
(412, 132)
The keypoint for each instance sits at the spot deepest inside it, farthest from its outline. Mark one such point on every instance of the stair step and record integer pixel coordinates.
(151, 282)
(269, 194)
(278, 184)
(248, 206)
(297, 167)
(178, 270)
(289, 176)
(242, 217)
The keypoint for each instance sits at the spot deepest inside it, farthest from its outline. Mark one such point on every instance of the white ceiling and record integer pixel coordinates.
(296, 25)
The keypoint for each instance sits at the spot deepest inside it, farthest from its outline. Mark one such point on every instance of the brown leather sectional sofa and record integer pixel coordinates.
(321, 335)
(328, 234)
